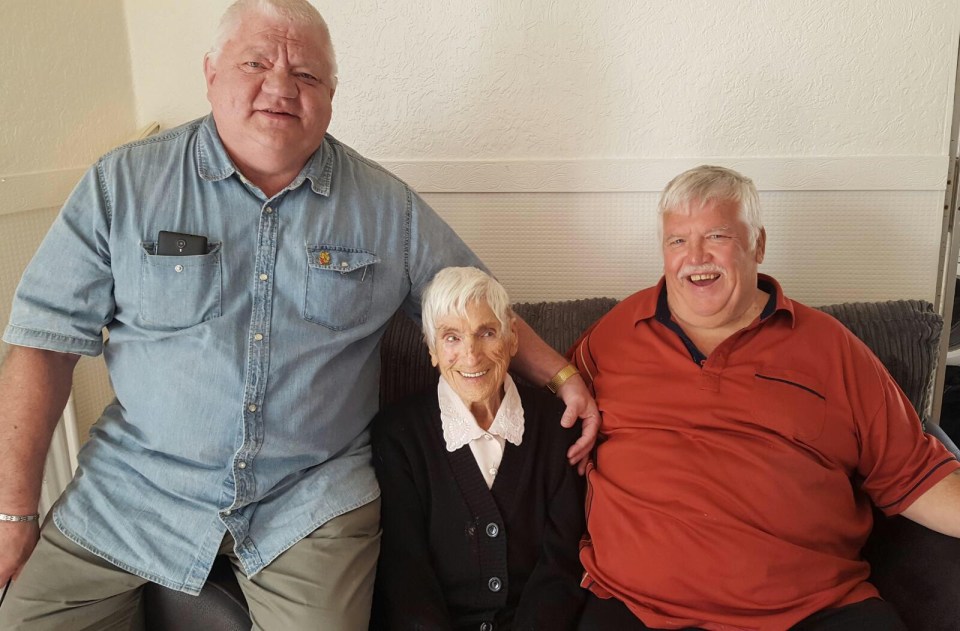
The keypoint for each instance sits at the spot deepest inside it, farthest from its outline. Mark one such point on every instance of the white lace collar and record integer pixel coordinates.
(459, 425)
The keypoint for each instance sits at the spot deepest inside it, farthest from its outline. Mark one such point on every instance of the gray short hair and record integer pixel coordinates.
(299, 11)
(453, 289)
(707, 183)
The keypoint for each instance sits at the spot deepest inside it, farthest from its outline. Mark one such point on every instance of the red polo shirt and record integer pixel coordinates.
(733, 492)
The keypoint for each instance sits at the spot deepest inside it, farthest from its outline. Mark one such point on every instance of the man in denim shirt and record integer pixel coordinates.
(246, 373)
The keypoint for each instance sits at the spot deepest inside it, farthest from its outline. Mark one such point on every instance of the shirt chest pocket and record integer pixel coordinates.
(788, 402)
(177, 292)
(339, 285)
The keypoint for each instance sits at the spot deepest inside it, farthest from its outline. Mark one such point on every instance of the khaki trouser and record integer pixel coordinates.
(325, 581)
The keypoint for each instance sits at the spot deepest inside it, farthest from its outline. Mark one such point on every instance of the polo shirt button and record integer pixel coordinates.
(486, 626)
(494, 584)
(492, 530)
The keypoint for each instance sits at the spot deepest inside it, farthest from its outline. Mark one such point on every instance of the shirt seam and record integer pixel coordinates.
(18, 332)
(183, 586)
(919, 482)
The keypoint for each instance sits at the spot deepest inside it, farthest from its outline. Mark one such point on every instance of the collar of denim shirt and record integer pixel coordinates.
(214, 163)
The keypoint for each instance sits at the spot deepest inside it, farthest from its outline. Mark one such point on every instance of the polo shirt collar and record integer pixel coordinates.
(460, 427)
(654, 304)
(214, 163)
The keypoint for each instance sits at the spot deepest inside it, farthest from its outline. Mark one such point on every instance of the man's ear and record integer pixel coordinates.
(209, 70)
(761, 246)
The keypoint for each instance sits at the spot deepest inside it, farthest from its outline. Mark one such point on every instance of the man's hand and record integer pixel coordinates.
(580, 404)
(17, 541)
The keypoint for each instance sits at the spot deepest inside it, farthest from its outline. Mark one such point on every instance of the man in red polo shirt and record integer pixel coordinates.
(745, 437)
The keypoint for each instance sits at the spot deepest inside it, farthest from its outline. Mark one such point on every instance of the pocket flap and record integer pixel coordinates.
(338, 258)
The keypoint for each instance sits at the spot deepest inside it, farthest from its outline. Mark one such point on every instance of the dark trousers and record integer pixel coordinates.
(873, 614)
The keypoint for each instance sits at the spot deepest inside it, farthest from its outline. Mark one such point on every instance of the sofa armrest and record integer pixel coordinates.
(917, 570)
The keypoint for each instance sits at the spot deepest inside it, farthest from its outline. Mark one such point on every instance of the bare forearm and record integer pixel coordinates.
(34, 386)
(939, 508)
(538, 363)
(535, 360)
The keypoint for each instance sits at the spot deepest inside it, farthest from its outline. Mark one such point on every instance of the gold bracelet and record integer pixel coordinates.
(18, 518)
(561, 377)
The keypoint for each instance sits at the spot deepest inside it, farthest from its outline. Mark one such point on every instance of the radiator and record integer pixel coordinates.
(61, 459)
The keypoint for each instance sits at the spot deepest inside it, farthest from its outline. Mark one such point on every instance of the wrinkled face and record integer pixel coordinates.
(268, 88)
(710, 270)
(473, 355)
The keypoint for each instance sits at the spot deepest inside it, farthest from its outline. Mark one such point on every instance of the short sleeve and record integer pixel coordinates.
(898, 462)
(65, 296)
(432, 245)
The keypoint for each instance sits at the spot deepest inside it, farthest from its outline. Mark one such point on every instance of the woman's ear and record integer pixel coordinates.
(433, 359)
(514, 336)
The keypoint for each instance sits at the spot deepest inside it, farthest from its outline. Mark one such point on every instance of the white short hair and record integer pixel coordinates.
(299, 11)
(693, 189)
(453, 289)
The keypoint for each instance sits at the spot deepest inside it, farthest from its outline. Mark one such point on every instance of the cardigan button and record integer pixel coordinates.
(492, 530)
(494, 584)
(486, 626)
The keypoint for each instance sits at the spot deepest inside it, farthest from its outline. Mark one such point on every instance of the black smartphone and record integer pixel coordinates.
(180, 244)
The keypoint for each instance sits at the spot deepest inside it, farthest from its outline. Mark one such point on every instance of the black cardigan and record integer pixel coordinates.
(457, 555)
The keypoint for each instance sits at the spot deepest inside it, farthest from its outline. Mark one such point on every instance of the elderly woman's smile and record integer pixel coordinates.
(472, 351)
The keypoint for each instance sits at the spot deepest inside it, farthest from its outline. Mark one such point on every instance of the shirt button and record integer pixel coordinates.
(492, 530)
(178, 268)
(252, 407)
(268, 210)
(263, 277)
(258, 336)
(241, 465)
(227, 513)
(486, 626)
(494, 584)
(344, 264)
(493, 471)
(487, 437)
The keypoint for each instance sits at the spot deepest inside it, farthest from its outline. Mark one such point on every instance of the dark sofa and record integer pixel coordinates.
(916, 569)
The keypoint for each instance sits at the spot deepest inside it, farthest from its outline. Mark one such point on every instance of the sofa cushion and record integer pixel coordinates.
(904, 334)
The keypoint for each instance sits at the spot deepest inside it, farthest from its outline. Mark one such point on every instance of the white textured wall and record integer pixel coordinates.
(465, 79)
(542, 129)
(66, 96)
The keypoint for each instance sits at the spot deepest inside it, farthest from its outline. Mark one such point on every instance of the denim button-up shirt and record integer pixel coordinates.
(245, 377)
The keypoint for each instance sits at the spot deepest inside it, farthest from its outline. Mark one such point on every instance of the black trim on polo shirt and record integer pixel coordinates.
(663, 316)
(771, 307)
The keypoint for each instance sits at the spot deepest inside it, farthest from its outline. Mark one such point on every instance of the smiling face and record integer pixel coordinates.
(709, 266)
(269, 89)
(473, 355)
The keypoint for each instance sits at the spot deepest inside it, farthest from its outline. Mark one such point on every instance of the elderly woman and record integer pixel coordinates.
(481, 513)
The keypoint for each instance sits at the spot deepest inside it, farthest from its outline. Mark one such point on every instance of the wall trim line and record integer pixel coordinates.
(49, 189)
(855, 173)
(31, 191)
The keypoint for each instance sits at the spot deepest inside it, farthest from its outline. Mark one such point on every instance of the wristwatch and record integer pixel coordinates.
(561, 377)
